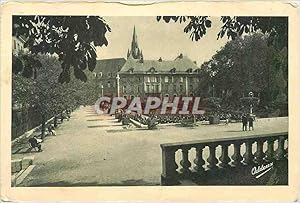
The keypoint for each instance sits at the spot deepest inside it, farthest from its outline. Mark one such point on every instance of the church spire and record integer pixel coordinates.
(128, 53)
(134, 37)
(135, 51)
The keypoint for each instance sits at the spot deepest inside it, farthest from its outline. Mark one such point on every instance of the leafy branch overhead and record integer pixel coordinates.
(232, 27)
(72, 38)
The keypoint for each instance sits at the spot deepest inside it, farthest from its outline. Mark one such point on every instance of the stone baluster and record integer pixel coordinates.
(236, 157)
(259, 154)
(280, 151)
(224, 158)
(287, 148)
(169, 166)
(185, 163)
(270, 149)
(199, 161)
(212, 160)
(248, 156)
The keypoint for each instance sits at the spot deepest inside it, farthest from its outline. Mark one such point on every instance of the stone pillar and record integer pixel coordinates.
(186, 86)
(101, 90)
(118, 84)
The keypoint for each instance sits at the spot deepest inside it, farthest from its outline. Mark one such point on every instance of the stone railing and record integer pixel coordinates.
(177, 163)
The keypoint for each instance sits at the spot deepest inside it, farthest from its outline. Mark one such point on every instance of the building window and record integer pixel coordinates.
(156, 88)
(148, 88)
(124, 89)
(151, 88)
(131, 97)
(15, 44)
(109, 74)
(181, 88)
(138, 89)
(147, 79)
(125, 96)
(154, 79)
(174, 88)
(108, 84)
(181, 79)
(191, 87)
(166, 79)
(172, 79)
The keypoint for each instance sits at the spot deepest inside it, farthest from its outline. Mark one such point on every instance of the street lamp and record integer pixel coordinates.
(250, 101)
(118, 84)
(101, 90)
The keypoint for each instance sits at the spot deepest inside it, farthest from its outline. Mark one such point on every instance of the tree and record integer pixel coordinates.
(233, 27)
(72, 38)
(45, 94)
(243, 65)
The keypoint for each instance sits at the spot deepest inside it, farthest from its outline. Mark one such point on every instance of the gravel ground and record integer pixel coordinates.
(92, 149)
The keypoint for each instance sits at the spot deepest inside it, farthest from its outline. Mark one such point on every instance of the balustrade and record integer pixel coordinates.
(170, 176)
(199, 161)
(185, 163)
(248, 156)
(259, 154)
(224, 158)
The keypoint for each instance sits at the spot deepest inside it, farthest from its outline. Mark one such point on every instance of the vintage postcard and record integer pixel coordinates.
(171, 101)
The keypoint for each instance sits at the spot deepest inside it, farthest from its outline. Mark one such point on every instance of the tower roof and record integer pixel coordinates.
(134, 37)
(135, 50)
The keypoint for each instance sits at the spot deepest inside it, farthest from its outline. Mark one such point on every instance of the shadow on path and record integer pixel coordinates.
(131, 182)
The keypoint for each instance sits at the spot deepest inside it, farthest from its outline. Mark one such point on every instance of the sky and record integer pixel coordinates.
(159, 39)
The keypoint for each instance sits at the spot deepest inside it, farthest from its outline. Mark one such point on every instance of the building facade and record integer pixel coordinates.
(106, 72)
(137, 77)
(18, 44)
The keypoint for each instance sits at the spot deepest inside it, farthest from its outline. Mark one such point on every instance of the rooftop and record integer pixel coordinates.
(179, 64)
(112, 65)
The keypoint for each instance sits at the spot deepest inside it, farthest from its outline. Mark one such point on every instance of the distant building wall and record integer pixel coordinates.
(159, 85)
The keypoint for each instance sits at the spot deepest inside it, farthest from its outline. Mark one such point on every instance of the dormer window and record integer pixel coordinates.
(197, 70)
(152, 70)
(190, 70)
(130, 70)
(173, 70)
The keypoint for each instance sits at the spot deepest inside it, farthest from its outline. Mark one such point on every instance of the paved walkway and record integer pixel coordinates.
(94, 149)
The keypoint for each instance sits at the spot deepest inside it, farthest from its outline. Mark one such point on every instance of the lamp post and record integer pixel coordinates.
(118, 85)
(101, 90)
(250, 101)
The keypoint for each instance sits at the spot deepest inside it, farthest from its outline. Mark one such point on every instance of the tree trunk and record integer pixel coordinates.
(61, 117)
(55, 121)
(43, 126)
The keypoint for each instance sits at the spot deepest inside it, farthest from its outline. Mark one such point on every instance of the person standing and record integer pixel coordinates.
(251, 120)
(244, 121)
